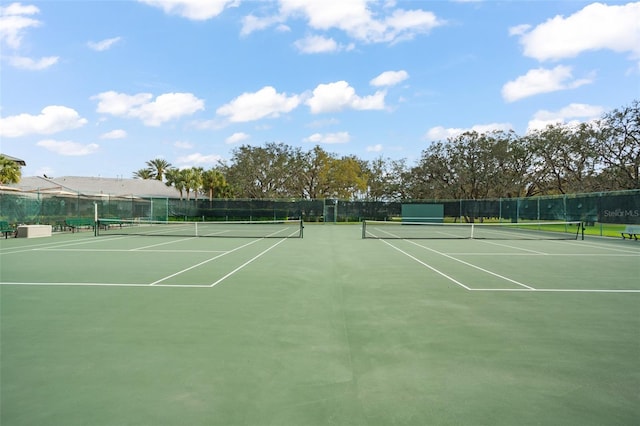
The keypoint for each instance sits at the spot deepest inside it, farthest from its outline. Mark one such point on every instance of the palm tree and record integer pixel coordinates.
(192, 178)
(9, 170)
(159, 167)
(214, 183)
(144, 174)
(175, 178)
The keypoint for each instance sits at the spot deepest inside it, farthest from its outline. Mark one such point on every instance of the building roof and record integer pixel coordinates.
(98, 186)
(14, 159)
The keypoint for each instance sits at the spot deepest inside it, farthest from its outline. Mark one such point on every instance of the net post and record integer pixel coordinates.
(96, 225)
(301, 228)
(364, 229)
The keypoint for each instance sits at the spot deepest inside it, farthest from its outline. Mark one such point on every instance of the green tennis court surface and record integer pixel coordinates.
(326, 329)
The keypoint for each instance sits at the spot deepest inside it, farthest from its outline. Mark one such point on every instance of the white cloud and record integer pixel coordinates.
(167, 107)
(354, 17)
(570, 114)
(114, 103)
(329, 138)
(114, 134)
(251, 23)
(164, 108)
(406, 24)
(236, 138)
(197, 158)
(68, 148)
(519, 30)
(197, 10)
(442, 133)
(183, 145)
(375, 148)
(14, 20)
(52, 119)
(104, 44)
(595, 27)
(339, 95)
(389, 78)
(30, 64)
(319, 44)
(541, 80)
(265, 103)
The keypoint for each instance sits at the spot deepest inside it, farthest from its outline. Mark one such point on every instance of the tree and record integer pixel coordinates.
(377, 187)
(158, 168)
(619, 147)
(565, 158)
(346, 178)
(508, 165)
(262, 172)
(144, 174)
(175, 178)
(214, 183)
(9, 170)
(192, 180)
(314, 173)
(433, 177)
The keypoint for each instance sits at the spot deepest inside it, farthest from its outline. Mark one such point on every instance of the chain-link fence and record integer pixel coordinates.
(621, 207)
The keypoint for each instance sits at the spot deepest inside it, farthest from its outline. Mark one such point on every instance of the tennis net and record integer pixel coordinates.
(492, 231)
(237, 229)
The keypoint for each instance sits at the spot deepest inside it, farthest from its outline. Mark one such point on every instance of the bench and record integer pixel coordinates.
(632, 231)
(78, 223)
(107, 223)
(6, 229)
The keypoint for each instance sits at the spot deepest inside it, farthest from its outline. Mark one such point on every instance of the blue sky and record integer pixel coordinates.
(97, 88)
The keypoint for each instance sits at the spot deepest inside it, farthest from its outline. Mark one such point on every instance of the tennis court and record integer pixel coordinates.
(326, 329)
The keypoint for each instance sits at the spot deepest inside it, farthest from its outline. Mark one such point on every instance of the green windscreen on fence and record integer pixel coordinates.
(431, 213)
(603, 208)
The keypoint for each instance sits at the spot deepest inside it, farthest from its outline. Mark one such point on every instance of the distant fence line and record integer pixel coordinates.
(621, 207)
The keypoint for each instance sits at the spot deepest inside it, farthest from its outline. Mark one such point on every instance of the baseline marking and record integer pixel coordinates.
(139, 250)
(104, 285)
(521, 290)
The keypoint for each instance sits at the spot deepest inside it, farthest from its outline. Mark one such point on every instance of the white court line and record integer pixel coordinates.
(457, 260)
(474, 266)
(558, 290)
(90, 240)
(428, 266)
(130, 250)
(514, 247)
(224, 254)
(245, 264)
(545, 254)
(205, 261)
(525, 288)
(162, 244)
(105, 285)
(453, 258)
(604, 247)
(538, 290)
